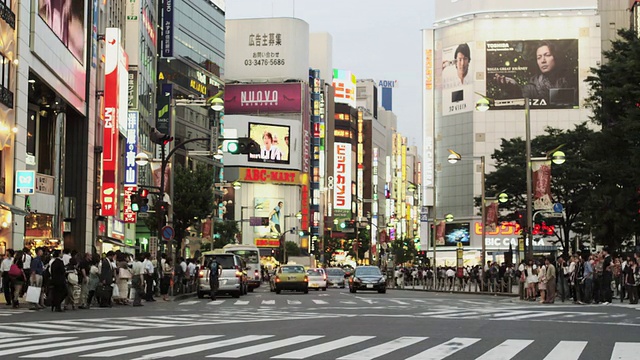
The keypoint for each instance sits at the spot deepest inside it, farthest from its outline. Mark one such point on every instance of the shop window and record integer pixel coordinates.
(40, 141)
(6, 96)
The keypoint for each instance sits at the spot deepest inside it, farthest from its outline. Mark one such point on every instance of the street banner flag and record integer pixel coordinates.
(542, 184)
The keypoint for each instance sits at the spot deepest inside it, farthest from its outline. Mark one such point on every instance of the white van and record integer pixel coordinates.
(251, 256)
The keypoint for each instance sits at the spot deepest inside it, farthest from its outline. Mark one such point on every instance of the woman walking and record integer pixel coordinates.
(123, 276)
(631, 278)
(94, 280)
(167, 275)
(17, 278)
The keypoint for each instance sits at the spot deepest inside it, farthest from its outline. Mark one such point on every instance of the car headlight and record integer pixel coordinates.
(381, 280)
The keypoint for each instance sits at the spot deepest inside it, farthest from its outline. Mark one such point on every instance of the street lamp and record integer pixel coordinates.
(217, 104)
(282, 236)
(453, 158)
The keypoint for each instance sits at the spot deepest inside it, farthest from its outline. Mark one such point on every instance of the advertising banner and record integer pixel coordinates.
(113, 55)
(274, 143)
(545, 72)
(491, 211)
(263, 98)
(267, 49)
(541, 184)
(457, 79)
(342, 176)
(272, 208)
(132, 90)
(128, 214)
(344, 83)
(66, 19)
(167, 28)
(163, 120)
(457, 234)
(131, 150)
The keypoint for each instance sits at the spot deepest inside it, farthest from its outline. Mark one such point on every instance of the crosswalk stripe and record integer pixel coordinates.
(294, 302)
(383, 349)
(506, 350)
(189, 302)
(319, 349)
(241, 302)
(129, 350)
(98, 324)
(625, 351)
(77, 349)
(215, 302)
(43, 325)
(399, 302)
(203, 347)
(534, 314)
(234, 354)
(268, 302)
(47, 346)
(443, 350)
(567, 350)
(23, 329)
(319, 302)
(8, 339)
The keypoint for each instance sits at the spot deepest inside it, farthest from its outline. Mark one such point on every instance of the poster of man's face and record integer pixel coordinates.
(543, 71)
(457, 79)
(66, 19)
(264, 207)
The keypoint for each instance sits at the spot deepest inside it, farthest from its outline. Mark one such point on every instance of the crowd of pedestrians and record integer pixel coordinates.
(62, 280)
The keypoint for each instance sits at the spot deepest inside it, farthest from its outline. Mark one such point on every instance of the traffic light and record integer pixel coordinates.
(159, 138)
(161, 207)
(520, 220)
(139, 200)
(242, 145)
(135, 207)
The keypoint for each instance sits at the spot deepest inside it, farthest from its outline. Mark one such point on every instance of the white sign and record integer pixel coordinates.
(503, 243)
(457, 79)
(342, 174)
(273, 49)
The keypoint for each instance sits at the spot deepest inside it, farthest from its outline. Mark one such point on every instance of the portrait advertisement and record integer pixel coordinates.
(66, 19)
(274, 143)
(457, 79)
(272, 208)
(544, 71)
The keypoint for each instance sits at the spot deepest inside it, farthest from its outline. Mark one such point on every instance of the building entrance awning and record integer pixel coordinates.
(14, 209)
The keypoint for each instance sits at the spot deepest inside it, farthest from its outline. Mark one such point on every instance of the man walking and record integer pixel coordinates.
(551, 281)
(214, 274)
(37, 269)
(607, 277)
(148, 276)
(137, 280)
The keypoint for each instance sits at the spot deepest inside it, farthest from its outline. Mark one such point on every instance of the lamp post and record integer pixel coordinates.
(242, 208)
(453, 158)
(282, 236)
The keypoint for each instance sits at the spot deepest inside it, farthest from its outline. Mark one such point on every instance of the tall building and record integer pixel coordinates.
(492, 48)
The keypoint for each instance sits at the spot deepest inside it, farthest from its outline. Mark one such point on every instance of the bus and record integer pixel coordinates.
(251, 256)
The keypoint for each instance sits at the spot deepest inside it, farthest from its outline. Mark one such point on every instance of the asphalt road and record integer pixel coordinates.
(328, 325)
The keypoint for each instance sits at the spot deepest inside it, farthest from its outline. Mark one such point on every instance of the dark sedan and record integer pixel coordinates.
(367, 278)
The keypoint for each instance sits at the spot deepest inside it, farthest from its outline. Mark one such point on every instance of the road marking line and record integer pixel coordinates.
(535, 314)
(567, 350)
(192, 302)
(268, 302)
(48, 345)
(21, 329)
(319, 302)
(251, 350)
(215, 302)
(132, 349)
(506, 350)
(77, 349)
(241, 302)
(191, 349)
(294, 302)
(319, 349)
(625, 351)
(383, 349)
(5, 340)
(399, 302)
(349, 302)
(443, 350)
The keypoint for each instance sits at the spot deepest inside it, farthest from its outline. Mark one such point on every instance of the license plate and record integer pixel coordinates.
(314, 285)
(369, 286)
(292, 278)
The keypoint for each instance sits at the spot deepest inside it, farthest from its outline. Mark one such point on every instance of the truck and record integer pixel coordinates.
(306, 261)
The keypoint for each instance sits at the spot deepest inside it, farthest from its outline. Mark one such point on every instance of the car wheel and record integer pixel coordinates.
(200, 295)
(278, 291)
(324, 288)
(236, 294)
(250, 289)
(306, 291)
(382, 291)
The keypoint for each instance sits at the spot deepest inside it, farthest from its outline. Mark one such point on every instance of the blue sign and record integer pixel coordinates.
(168, 233)
(557, 207)
(25, 182)
(131, 149)
(166, 41)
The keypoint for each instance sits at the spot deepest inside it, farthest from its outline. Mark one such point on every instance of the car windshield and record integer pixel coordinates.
(250, 256)
(364, 271)
(292, 270)
(335, 272)
(314, 272)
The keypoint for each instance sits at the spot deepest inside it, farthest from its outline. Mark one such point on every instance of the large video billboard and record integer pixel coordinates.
(457, 79)
(66, 19)
(545, 71)
(274, 143)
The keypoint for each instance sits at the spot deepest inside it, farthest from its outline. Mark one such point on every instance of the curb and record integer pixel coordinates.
(183, 296)
(462, 292)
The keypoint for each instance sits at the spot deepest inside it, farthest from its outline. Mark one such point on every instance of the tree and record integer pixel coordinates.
(612, 208)
(403, 250)
(224, 232)
(292, 248)
(571, 182)
(192, 199)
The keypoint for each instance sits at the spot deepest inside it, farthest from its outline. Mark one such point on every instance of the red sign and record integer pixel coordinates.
(262, 98)
(130, 216)
(114, 56)
(266, 242)
(269, 176)
(508, 228)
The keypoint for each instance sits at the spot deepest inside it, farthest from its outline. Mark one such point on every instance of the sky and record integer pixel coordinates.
(371, 38)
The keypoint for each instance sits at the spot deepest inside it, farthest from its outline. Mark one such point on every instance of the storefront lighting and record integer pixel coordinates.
(15, 129)
(5, 224)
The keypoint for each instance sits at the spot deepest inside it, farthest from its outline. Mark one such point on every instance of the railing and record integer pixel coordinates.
(507, 285)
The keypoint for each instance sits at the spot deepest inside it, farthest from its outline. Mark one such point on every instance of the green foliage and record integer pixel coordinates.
(292, 248)
(225, 232)
(192, 199)
(403, 251)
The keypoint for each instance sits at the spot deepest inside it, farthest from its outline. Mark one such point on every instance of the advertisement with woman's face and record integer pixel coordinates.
(66, 19)
(544, 71)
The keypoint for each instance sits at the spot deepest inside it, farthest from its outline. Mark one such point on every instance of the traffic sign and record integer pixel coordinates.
(557, 207)
(168, 233)
(25, 182)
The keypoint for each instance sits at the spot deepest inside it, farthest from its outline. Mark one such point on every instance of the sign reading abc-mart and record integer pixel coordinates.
(263, 98)
(115, 66)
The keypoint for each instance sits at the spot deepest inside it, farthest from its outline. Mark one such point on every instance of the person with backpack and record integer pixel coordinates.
(214, 274)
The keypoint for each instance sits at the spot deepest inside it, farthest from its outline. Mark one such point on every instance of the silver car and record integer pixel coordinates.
(335, 277)
(232, 280)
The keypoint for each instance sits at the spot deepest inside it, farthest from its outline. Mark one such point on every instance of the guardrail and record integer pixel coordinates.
(505, 286)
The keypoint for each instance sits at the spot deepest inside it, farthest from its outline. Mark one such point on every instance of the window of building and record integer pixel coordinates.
(5, 71)
(40, 141)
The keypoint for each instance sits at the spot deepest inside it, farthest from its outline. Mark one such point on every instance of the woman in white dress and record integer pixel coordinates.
(542, 282)
(531, 279)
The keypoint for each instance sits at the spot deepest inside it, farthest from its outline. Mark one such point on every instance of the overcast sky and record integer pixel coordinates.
(374, 39)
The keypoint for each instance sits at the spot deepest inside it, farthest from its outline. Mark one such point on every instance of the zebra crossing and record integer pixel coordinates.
(324, 301)
(307, 346)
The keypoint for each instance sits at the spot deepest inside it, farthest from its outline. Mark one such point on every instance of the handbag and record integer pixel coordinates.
(33, 294)
(115, 292)
(15, 272)
(124, 273)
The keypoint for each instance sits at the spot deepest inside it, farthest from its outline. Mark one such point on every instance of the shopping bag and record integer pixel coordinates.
(115, 292)
(132, 294)
(33, 294)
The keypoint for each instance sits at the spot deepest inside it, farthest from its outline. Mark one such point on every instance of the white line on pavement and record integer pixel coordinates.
(506, 350)
(319, 349)
(383, 349)
(77, 349)
(215, 302)
(443, 350)
(191, 349)
(625, 351)
(192, 302)
(132, 349)
(48, 345)
(567, 350)
(319, 302)
(268, 302)
(251, 350)
(241, 302)
(294, 302)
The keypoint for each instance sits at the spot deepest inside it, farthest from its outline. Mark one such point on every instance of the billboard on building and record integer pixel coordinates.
(457, 79)
(274, 143)
(114, 83)
(454, 8)
(274, 210)
(273, 49)
(457, 233)
(263, 98)
(66, 19)
(544, 71)
(344, 84)
(342, 176)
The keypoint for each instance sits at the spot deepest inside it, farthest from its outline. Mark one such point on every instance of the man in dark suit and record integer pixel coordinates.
(106, 279)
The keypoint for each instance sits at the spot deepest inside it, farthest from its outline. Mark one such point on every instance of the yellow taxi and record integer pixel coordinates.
(291, 277)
